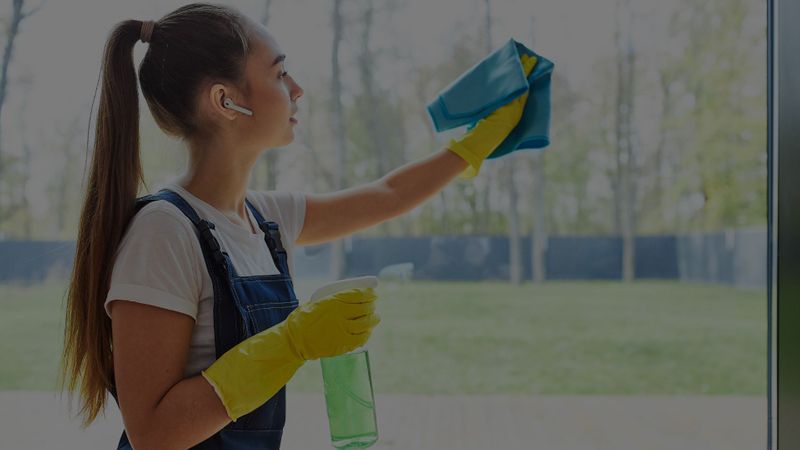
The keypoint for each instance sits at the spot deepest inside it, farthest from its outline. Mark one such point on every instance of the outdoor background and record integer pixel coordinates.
(608, 292)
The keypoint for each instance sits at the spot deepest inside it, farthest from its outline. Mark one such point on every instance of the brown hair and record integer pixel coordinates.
(195, 44)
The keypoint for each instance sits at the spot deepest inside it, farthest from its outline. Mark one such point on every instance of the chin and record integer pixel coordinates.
(289, 138)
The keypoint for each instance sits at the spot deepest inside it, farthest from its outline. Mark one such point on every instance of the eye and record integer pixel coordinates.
(283, 74)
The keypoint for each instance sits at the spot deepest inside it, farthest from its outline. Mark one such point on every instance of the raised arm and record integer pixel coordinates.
(338, 214)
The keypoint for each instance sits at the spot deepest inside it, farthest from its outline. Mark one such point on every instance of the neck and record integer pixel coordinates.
(219, 176)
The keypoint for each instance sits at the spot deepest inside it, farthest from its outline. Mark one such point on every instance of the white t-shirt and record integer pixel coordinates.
(159, 261)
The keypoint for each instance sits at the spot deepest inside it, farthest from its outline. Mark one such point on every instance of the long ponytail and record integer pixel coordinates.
(107, 208)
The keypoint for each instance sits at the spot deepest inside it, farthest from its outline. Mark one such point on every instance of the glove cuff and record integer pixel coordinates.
(251, 372)
(223, 398)
(473, 161)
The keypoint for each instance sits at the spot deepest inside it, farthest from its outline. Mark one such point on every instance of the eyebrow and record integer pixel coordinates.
(280, 58)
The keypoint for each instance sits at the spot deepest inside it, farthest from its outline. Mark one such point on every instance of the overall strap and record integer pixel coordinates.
(272, 236)
(203, 226)
(228, 326)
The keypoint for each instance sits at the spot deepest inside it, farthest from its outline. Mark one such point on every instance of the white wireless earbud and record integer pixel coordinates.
(228, 103)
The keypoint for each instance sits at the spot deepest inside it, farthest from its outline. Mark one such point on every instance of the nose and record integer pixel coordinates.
(295, 91)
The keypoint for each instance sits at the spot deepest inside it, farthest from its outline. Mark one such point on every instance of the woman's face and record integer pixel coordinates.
(273, 93)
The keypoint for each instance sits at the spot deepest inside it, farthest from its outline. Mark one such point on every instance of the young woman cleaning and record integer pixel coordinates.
(181, 302)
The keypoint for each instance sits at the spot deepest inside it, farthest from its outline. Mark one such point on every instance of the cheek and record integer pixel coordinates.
(274, 109)
(276, 104)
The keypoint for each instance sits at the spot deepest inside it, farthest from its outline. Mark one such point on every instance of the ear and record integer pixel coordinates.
(216, 94)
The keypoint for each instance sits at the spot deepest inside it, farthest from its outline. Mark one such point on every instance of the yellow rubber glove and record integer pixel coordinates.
(479, 142)
(251, 372)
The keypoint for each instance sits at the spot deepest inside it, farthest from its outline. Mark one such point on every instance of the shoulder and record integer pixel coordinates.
(161, 217)
(157, 236)
(160, 224)
(277, 201)
(286, 208)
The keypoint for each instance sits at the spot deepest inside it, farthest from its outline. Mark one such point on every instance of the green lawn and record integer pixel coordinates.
(563, 338)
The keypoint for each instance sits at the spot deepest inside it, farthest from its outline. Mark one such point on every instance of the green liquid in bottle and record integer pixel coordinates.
(350, 400)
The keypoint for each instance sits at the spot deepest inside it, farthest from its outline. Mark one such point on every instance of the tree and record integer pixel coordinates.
(624, 181)
(506, 169)
(539, 231)
(59, 188)
(18, 15)
(719, 115)
(24, 200)
(376, 131)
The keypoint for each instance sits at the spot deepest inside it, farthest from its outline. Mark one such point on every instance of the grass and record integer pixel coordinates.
(465, 337)
(31, 333)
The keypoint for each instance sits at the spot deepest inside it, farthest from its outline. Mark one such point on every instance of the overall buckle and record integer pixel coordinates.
(205, 228)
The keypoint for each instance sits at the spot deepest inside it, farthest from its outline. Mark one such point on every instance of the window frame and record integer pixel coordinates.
(783, 108)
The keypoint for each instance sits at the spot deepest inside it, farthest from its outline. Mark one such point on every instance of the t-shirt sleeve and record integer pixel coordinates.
(157, 263)
(289, 209)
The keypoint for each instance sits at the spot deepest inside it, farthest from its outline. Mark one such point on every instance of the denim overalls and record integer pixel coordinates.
(243, 306)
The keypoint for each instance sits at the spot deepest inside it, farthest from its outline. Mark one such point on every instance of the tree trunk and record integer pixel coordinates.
(539, 235)
(26, 161)
(366, 70)
(483, 189)
(625, 193)
(271, 156)
(17, 16)
(338, 268)
(514, 247)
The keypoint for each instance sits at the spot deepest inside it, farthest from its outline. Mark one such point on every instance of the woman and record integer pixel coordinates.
(184, 309)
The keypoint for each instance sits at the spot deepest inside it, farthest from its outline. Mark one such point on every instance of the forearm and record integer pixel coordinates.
(415, 182)
(341, 213)
(189, 413)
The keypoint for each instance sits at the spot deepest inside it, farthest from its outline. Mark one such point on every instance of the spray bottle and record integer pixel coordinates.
(347, 379)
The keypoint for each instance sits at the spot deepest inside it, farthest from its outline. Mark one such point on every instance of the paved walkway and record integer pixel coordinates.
(38, 420)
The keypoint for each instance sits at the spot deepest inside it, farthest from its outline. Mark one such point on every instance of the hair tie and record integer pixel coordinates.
(147, 30)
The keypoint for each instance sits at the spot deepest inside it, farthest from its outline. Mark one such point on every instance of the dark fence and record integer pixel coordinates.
(35, 261)
(736, 257)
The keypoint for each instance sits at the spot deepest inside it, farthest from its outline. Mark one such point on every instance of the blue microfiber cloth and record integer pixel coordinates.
(490, 84)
